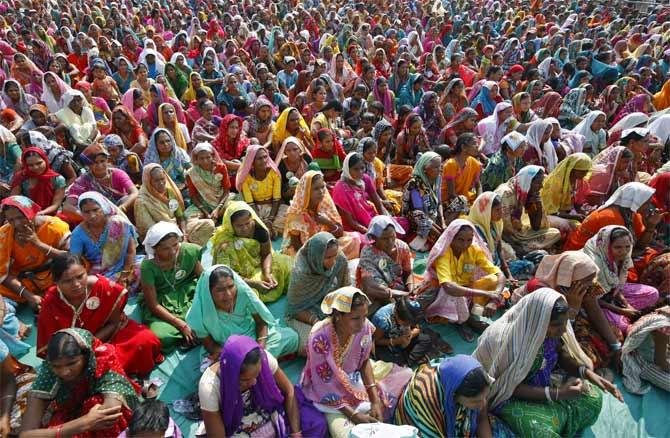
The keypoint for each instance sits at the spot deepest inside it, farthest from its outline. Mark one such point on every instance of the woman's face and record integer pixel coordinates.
(598, 123)
(158, 180)
(73, 282)
(386, 240)
(249, 376)
(99, 166)
(196, 81)
(353, 321)
(547, 134)
(244, 225)
(170, 72)
(142, 74)
(470, 123)
(164, 144)
(496, 212)
(621, 248)
(261, 159)
(51, 82)
(224, 294)
(432, 169)
(356, 171)
(475, 402)
(623, 163)
(330, 256)
(205, 160)
(462, 240)
(232, 84)
(318, 191)
(155, 98)
(119, 119)
(339, 61)
(167, 249)
(557, 327)
(36, 164)
(293, 152)
(77, 104)
(233, 129)
(169, 115)
(524, 104)
(99, 73)
(13, 92)
(68, 369)
(264, 113)
(320, 95)
(370, 154)
(415, 127)
(385, 136)
(39, 119)
(92, 213)
(505, 114)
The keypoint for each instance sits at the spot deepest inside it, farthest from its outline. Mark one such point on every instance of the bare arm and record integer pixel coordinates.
(261, 330)
(290, 401)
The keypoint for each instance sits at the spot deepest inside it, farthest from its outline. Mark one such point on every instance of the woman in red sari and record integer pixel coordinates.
(128, 128)
(231, 143)
(94, 303)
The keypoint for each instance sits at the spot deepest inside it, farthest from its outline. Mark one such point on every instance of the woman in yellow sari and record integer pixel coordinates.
(159, 200)
(312, 210)
(662, 98)
(194, 84)
(291, 124)
(559, 191)
(27, 243)
(243, 243)
(167, 119)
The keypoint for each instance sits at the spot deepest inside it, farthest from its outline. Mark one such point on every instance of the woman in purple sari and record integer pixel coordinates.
(245, 393)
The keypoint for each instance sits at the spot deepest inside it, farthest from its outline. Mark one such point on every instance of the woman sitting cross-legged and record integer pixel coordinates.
(169, 274)
(224, 305)
(320, 268)
(338, 376)
(96, 304)
(245, 393)
(522, 350)
(84, 388)
(243, 243)
(449, 400)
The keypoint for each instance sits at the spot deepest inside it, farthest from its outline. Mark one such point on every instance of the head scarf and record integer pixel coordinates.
(178, 135)
(492, 128)
(25, 205)
(230, 149)
(522, 181)
(557, 190)
(597, 248)
(303, 151)
(310, 281)
(341, 300)
(248, 164)
(508, 348)
(545, 151)
(47, 95)
(346, 174)
(561, 270)
(25, 101)
(485, 99)
(631, 196)
(178, 160)
(380, 223)
(661, 183)
(279, 132)
(660, 128)
(156, 233)
(42, 192)
(128, 101)
(180, 83)
(419, 172)
(480, 216)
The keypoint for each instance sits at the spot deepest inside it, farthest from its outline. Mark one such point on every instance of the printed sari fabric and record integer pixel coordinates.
(137, 348)
(103, 377)
(383, 269)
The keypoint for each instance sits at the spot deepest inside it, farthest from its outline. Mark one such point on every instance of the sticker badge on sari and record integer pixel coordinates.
(468, 267)
(254, 187)
(239, 245)
(93, 303)
(365, 341)
(173, 205)
(180, 274)
(382, 264)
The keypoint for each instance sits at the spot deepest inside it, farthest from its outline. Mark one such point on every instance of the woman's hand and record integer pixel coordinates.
(269, 281)
(187, 332)
(99, 418)
(377, 410)
(26, 234)
(34, 301)
(604, 384)
(359, 418)
(576, 294)
(571, 390)
(490, 309)
(5, 427)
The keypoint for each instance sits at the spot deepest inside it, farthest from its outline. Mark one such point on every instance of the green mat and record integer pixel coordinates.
(639, 417)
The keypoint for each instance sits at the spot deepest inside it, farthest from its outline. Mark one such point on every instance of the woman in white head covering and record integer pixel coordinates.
(169, 274)
(540, 145)
(78, 118)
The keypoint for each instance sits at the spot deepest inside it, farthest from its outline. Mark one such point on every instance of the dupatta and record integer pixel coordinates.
(42, 192)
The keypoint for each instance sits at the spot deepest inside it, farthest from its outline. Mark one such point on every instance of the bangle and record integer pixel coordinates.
(59, 429)
(557, 393)
(547, 394)
(390, 294)
(372, 385)
(21, 291)
(262, 338)
(582, 371)
(298, 433)
(616, 346)
(49, 251)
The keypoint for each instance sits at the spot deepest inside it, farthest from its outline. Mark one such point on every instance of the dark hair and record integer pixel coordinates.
(497, 200)
(405, 312)
(217, 274)
(627, 154)
(377, 106)
(150, 416)
(444, 151)
(63, 345)
(166, 237)
(33, 154)
(633, 136)
(560, 308)
(367, 144)
(333, 104)
(404, 110)
(239, 214)
(368, 117)
(323, 133)
(473, 383)
(463, 139)
(240, 103)
(355, 159)
(618, 234)
(358, 300)
(252, 358)
(493, 70)
(62, 263)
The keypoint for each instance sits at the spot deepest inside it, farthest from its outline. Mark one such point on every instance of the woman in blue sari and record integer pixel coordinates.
(163, 150)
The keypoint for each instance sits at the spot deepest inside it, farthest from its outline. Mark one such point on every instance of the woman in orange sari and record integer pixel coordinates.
(99, 310)
(27, 242)
(312, 210)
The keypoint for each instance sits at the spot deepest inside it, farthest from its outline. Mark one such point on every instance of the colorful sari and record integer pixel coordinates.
(46, 183)
(229, 149)
(137, 348)
(421, 200)
(103, 377)
(176, 165)
(207, 321)
(152, 207)
(300, 221)
(243, 254)
(107, 256)
(605, 178)
(26, 261)
(354, 196)
(558, 194)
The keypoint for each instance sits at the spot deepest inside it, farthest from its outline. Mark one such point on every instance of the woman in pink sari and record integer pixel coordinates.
(339, 377)
(356, 196)
(612, 168)
(133, 100)
(158, 97)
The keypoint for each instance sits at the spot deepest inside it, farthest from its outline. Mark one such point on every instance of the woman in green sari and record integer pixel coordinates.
(176, 79)
(224, 305)
(169, 273)
(243, 243)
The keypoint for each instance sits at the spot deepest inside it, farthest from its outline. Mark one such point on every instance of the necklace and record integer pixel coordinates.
(174, 276)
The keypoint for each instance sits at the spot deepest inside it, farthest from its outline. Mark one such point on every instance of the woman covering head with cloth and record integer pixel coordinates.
(96, 304)
(292, 160)
(525, 224)
(28, 243)
(169, 273)
(521, 350)
(128, 128)
(83, 386)
(320, 268)
(159, 200)
(460, 173)
(385, 267)
(39, 182)
(224, 305)
(312, 210)
(505, 162)
(459, 265)
(78, 118)
(122, 158)
(243, 243)
(339, 376)
(291, 124)
(592, 129)
(106, 239)
(245, 393)
(231, 143)
(448, 399)
(612, 168)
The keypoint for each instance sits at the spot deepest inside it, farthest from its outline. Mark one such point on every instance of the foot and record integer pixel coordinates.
(477, 326)
(465, 332)
(24, 331)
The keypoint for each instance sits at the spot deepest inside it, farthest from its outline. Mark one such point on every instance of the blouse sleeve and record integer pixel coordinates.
(209, 393)
(246, 191)
(276, 187)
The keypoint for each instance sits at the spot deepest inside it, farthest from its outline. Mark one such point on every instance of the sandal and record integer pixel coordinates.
(465, 332)
(149, 390)
(477, 326)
